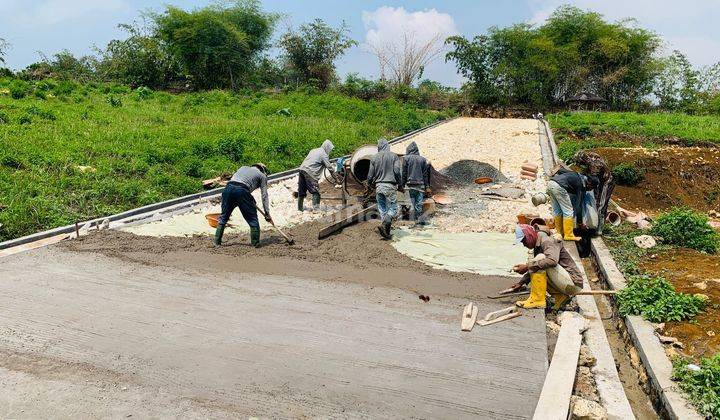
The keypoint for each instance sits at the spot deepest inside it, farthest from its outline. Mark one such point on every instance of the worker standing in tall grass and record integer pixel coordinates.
(238, 193)
(416, 179)
(385, 176)
(566, 190)
(311, 170)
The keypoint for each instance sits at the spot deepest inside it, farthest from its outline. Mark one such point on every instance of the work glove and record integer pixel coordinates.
(268, 218)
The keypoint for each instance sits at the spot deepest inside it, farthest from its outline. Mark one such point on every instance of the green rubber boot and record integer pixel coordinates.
(255, 236)
(219, 234)
(301, 207)
(316, 199)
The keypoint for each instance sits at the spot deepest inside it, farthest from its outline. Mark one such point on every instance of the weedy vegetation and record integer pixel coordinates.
(701, 386)
(656, 300)
(686, 228)
(628, 174)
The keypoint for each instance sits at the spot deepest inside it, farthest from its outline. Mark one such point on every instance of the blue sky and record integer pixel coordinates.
(47, 26)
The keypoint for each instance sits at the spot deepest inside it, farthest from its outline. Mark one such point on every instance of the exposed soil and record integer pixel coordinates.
(674, 176)
(357, 255)
(633, 139)
(693, 272)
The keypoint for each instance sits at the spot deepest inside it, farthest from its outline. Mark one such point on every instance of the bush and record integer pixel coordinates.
(686, 228)
(703, 386)
(19, 89)
(628, 174)
(657, 301)
(232, 147)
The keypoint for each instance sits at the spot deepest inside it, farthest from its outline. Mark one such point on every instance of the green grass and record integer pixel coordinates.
(688, 128)
(150, 146)
(701, 386)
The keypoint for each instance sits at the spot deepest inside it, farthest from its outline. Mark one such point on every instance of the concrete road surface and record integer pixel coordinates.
(88, 335)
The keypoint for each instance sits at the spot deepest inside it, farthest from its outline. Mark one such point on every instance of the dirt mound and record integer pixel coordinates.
(693, 272)
(674, 176)
(465, 171)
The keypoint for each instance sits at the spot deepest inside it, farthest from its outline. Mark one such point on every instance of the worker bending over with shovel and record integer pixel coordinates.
(416, 178)
(566, 190)
(238, 193)
(385, 175)
(310, 172)
(551, 269)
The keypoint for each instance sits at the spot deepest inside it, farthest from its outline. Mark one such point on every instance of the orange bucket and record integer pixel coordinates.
(212, 219)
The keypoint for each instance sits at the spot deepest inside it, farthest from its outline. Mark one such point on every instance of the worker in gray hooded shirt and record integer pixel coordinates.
(311, 170)
(238, 193)
(385, 175)
(416, 178)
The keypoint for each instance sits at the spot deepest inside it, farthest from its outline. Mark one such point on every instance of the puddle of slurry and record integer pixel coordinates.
(487, 253)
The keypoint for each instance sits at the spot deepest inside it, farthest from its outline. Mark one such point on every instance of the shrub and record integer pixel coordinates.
(46, 115)
(232, 147)
(628, 174)
(703, 386)
(686, 228)
(114, 101)
(19, 89)
(656, 300)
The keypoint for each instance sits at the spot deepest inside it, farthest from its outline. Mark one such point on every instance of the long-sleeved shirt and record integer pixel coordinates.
(384, 166)
(415, 169)
(555, 253)
(317, 160)
(572, 182)
(252, 178)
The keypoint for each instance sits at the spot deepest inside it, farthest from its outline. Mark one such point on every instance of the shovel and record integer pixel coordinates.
(289, 240)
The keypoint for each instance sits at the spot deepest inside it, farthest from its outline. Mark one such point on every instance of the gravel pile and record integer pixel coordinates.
(466, 171)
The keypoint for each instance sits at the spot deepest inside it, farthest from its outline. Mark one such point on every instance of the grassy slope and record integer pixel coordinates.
(689, 128)
(162, 146)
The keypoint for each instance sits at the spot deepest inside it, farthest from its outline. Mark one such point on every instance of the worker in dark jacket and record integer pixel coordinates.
(416, 179)
(238, 193)
(566, 190)
(311, 170)
(592, 164)
(385, 176)
(551, 269)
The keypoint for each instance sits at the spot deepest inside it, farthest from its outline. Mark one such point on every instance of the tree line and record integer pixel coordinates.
(225, 46)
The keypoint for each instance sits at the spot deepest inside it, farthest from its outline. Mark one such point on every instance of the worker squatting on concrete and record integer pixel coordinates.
(550, 269)
(311, 170)
(385, 176)
(416, 179)
(566, 190)
(238, 193)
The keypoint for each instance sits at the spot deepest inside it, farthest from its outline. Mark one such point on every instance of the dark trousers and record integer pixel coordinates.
(236, 195)
(306, 184)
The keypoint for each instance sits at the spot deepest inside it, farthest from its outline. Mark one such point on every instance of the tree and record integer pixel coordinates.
(3, 48)
(678, 83)
(406, 58)
(573, 52)
(142, 59)
(311, 52)
(63, 65)
(219, 45)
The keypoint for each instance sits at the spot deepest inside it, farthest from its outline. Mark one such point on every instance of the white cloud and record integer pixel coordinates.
(389, 23)
(686, 25)
(50, 12)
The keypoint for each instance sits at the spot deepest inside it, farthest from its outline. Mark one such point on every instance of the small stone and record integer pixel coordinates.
(586, 358)
(644, 241)
(552, 326)
(634, 358)
(711, 333)
(671, 353)
(583, 409)
(701, 285)
(584, 385)
(643, 224)
(660, 327)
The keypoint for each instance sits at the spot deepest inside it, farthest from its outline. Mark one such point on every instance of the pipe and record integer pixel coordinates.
(613, 218)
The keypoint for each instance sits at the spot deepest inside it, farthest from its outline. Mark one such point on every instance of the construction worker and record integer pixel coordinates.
(416, 179)
(566, 190)
(551, 269)
(238, 193)
(385, 176)
(592, 164)
(311, 170)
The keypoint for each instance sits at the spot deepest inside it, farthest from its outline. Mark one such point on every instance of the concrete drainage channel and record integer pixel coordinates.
(646, 369)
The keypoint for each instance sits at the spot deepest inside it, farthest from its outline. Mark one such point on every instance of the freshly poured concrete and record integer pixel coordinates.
(85, 335)
(487, 253)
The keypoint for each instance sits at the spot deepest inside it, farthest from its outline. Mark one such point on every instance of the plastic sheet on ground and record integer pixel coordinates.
(488, 253)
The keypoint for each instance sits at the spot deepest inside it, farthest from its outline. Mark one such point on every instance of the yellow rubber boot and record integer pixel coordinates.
(558, 225)
(568, 226)
(538, 287)
(561, 300)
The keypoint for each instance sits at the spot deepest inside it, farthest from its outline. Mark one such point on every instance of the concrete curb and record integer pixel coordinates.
(651, 351)
(174, 204)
